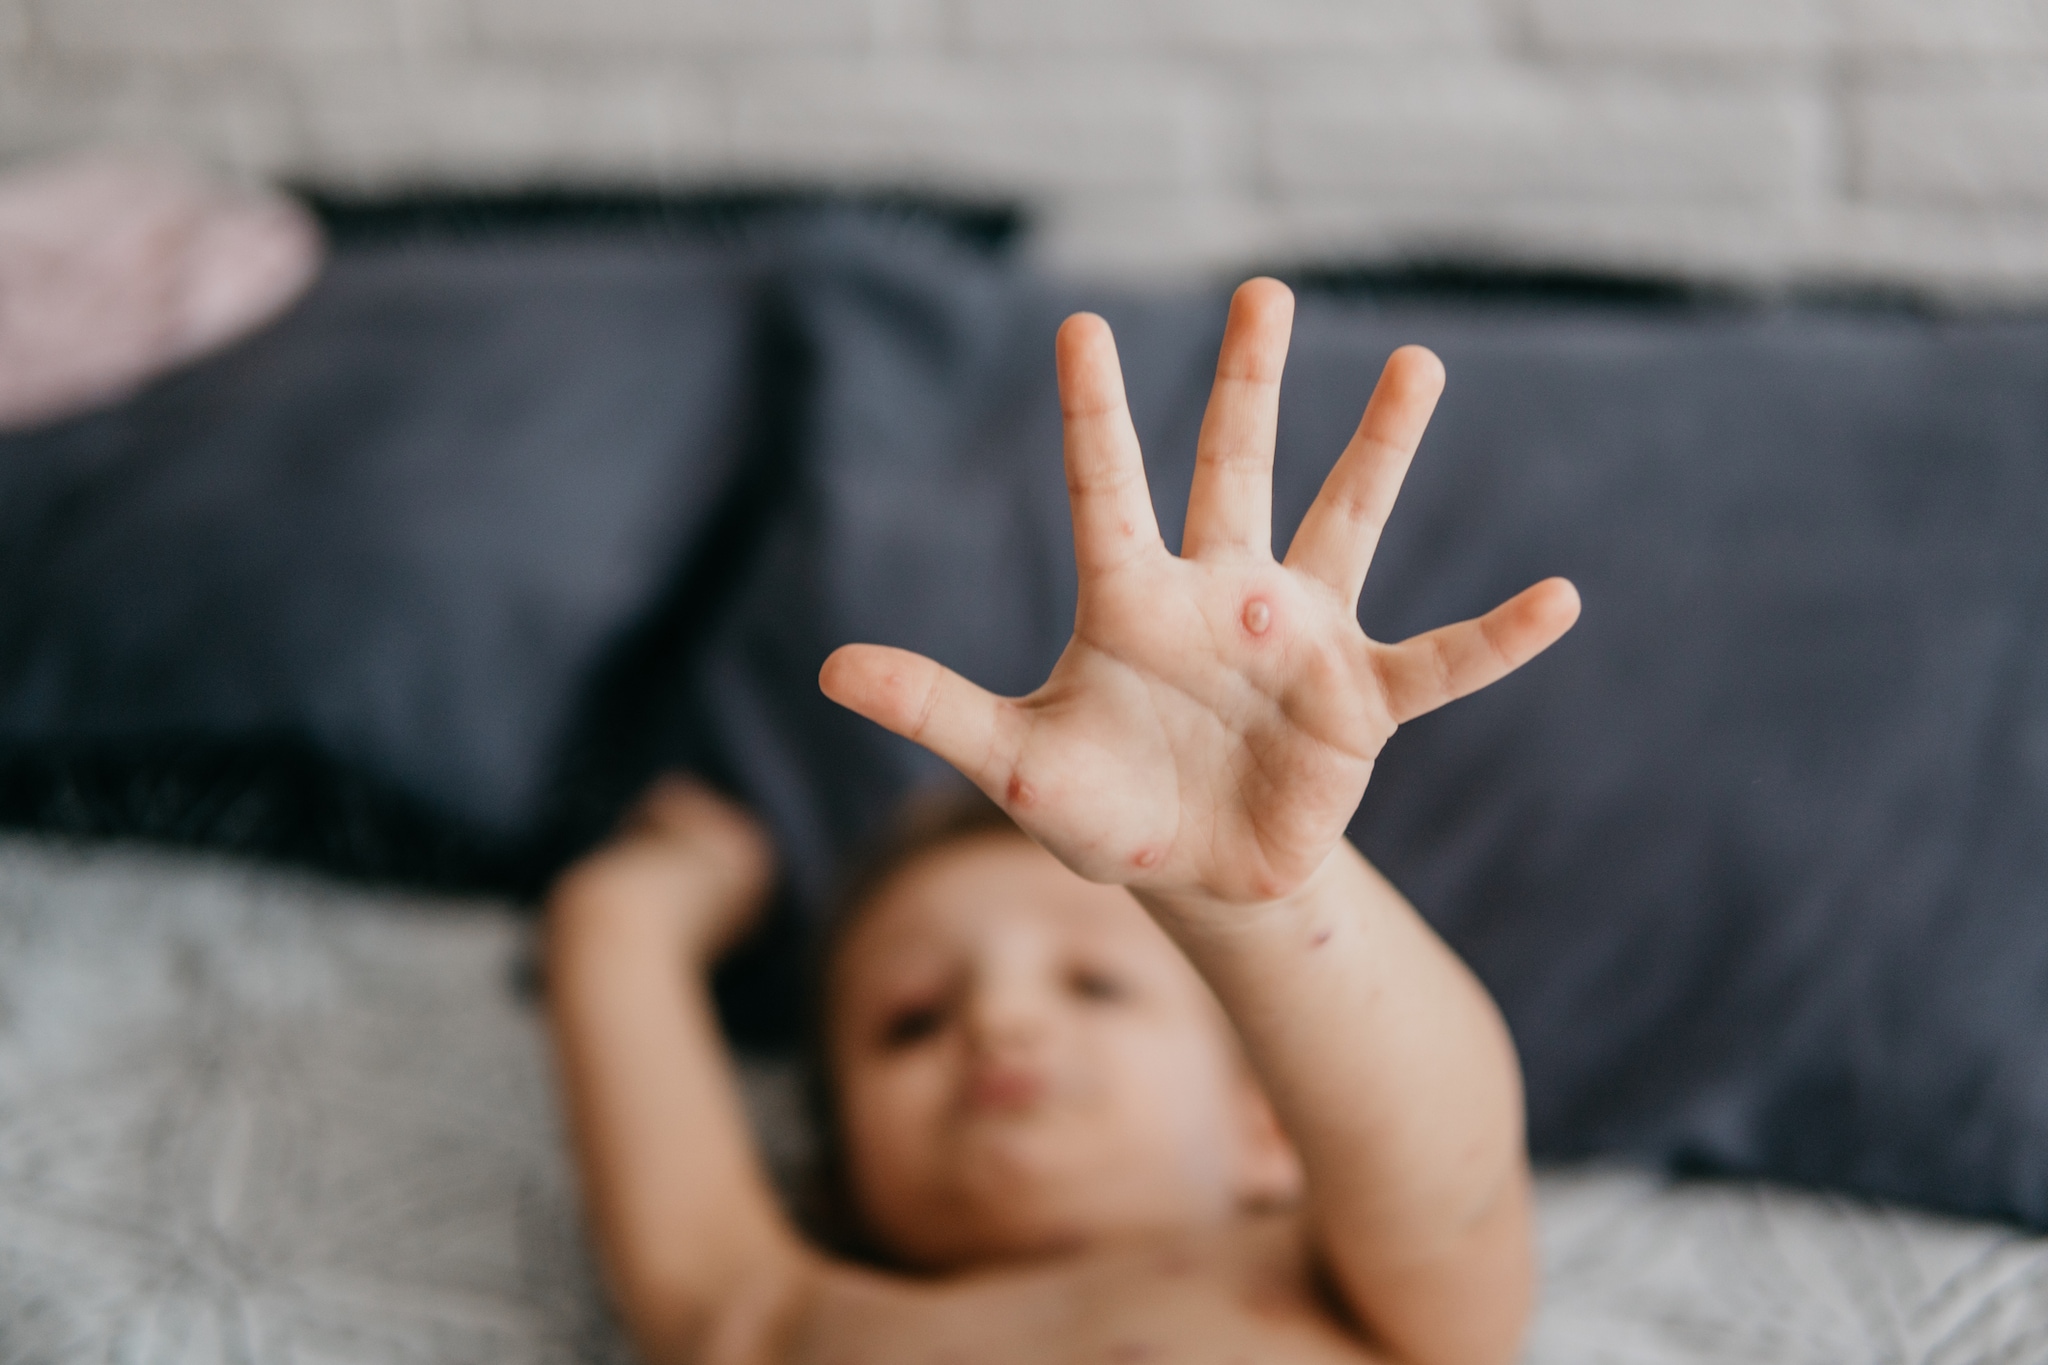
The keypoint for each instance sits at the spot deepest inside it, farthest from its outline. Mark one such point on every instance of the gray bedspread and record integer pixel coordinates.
(248, 1116)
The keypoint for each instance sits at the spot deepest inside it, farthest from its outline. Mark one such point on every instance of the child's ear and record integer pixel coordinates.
(1269, 1173)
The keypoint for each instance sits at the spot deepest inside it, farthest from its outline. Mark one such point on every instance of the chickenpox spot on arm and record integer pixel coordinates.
(1145, 857)
(1258, 617)
(1020, 792)
(1320, 937)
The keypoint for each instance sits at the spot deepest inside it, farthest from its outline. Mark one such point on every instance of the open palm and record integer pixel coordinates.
(1213, 722)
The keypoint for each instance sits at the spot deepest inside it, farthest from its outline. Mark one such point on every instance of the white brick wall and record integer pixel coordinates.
(1227, 29)
(1726, 30)
(1062, 126)
(150, 34)
(1894, 141)
(1979, 145)
(674, 27)
(1954, 28)
(13, 30)
(1502, 132)
(496, 121)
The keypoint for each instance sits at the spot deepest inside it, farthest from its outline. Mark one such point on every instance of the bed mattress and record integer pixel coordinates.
(251, 1116)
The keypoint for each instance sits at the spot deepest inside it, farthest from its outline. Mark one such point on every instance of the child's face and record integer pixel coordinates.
(1025, 1063)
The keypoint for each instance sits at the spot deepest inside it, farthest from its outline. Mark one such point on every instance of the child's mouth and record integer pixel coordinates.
(1004, 1089)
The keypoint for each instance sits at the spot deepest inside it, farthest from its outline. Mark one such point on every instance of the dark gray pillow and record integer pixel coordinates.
(346, 590)
(1754, 860)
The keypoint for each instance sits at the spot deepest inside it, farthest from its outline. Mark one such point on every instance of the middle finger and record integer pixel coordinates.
(1230, 503)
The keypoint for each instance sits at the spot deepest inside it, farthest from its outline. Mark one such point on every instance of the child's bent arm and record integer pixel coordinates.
(1393, 1074)
(1205, 739)
(686, 1222)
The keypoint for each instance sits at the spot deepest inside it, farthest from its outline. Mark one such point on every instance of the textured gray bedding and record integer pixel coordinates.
(249, 1116)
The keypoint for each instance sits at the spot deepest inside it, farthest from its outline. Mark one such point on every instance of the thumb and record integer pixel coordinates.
(922, 701)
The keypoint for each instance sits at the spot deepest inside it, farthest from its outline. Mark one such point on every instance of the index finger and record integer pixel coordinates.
(1112, 506)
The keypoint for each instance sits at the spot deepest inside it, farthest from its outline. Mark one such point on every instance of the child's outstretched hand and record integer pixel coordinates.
(1211, 726)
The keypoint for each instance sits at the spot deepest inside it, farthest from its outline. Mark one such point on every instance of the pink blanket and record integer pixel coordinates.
(115, 268)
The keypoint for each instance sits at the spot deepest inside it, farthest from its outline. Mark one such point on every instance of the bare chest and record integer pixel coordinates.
(1226, 1301)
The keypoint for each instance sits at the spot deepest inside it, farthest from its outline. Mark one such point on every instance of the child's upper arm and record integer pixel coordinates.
(759, 1309)
(688, 1226)
(1467, 1305)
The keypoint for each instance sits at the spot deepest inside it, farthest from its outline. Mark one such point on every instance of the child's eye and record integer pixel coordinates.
(911, 1026)
(1099, 986)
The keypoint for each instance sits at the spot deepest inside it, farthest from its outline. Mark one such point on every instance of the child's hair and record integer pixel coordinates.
(927, 821)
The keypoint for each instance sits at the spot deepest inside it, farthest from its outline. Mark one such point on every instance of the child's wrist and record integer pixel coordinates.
(684, 880)
(679, 907)
(1199, 911)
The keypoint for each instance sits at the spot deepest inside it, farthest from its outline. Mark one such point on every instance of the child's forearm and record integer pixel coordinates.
(1394, 1075)
(683, 1213)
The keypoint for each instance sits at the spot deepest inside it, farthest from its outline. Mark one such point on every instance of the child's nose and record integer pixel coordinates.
(1007, 1013)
